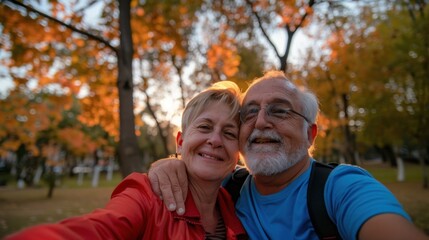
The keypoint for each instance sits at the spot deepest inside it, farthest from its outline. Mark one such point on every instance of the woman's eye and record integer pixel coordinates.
(204, 127)
(231, 135)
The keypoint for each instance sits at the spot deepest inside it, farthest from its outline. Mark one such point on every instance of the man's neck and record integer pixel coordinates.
(275, 183)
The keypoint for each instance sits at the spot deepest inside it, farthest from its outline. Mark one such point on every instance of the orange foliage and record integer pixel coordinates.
(334, 43)
(223, 57)
(76, 142)
(62, 62)
(324, 124)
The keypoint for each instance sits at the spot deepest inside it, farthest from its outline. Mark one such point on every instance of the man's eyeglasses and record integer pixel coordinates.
(275, 112)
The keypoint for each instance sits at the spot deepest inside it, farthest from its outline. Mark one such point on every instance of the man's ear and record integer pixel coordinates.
(179, 141)
(312, 133)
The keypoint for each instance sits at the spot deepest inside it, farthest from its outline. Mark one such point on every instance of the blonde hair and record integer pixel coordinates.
(226, 92)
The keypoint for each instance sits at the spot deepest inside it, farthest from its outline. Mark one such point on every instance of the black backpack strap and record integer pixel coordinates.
(235, 181)
(319, 217)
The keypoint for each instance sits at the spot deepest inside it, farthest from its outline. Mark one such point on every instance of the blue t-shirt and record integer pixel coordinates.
(352, 196)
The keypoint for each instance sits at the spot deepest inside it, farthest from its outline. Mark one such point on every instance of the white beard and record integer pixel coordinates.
(272, 159)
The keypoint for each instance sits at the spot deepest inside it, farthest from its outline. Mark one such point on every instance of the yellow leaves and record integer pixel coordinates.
(178, 51)
(261, 5)
(223, 57)
(11, 145)
(80, 42)
(74, 87)
(293, 13)
(102, 109)
(286, 20)
(43, 46)
(334, 43)
(20, 81)
(334, 54)
(76, 141)
(183, 10)
(33, 149)
(44, 80)
(140, 11)
(28, 56)
(325, 124)
(212, 55)
(57, 8)
(48, 36)
(134, 3)
(232, 65)
(309, 10)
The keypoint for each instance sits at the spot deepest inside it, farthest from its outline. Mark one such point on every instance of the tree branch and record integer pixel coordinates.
(69, 26)
(310, 4)
(258, 18)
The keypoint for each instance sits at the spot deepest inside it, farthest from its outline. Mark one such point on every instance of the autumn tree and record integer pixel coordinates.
(24, 116)
(128, 147)
(398, 57)
(377, 63)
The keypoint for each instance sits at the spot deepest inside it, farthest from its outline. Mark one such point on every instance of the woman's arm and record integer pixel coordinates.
(128, 207)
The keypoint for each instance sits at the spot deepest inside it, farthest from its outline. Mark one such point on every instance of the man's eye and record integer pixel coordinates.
(251, 112)
(279, 111)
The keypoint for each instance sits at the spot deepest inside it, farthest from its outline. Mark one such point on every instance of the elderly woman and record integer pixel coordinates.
(208, 145)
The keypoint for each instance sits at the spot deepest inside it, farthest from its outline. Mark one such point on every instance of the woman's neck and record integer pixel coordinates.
(205, 196)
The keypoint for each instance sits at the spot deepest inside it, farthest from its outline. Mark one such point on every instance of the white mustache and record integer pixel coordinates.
(269, 134)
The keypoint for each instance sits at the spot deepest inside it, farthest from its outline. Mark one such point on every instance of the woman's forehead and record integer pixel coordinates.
(216, 110)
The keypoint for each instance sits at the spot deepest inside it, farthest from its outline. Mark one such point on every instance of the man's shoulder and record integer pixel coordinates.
(344, 169)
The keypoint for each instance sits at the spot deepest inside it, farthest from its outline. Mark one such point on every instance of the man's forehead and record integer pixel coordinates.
(275, 88)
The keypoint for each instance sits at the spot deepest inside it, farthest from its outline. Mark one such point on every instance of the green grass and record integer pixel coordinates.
(410, 193)
(20, 208)
(386, 174)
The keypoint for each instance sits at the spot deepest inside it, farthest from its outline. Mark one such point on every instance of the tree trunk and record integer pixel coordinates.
(283, 59)
(129, 156)
(349, 148)
(400, 177)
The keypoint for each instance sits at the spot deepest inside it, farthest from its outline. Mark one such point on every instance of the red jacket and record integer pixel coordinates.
(135, 212)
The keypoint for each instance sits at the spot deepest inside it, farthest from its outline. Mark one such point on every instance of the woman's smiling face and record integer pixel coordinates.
(209, 145)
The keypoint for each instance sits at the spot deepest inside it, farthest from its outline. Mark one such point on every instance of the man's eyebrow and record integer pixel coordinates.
(281, 100)
(253, 102)
(275, 100)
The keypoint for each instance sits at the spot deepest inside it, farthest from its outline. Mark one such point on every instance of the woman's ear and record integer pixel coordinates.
(179, 142)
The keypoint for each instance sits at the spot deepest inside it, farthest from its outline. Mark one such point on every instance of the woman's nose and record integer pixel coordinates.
(215, 140)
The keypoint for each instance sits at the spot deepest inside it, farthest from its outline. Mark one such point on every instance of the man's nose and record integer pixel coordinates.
(262, 119)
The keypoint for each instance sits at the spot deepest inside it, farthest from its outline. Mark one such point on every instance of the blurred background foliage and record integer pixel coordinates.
(88, 83)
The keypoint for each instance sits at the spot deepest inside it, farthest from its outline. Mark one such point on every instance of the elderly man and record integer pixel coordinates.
(277, 130)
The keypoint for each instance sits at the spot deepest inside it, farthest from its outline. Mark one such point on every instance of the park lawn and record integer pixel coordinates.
(20, 208)
(27, 207)
(412, 195)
